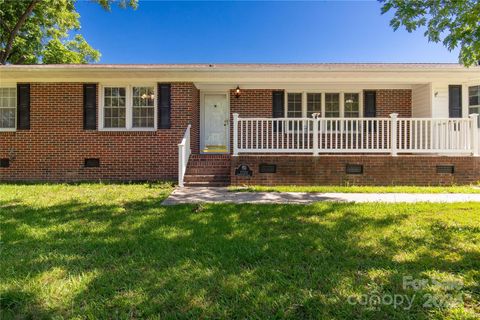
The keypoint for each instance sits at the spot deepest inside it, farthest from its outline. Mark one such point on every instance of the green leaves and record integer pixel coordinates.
(71, 51)
(34, 31)
(454, 23)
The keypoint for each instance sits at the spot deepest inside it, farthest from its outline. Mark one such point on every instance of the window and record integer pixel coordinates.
(332, 105)
(143, 107)
(294, 105)
(8, 109)
(115, 107)
(351, 105)
(314, 104)
(129, 108)
(326, 104)
(474, 100)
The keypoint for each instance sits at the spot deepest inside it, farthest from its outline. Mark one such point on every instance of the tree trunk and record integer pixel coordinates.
(13, 34)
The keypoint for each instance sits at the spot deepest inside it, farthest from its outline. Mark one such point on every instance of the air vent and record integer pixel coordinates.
(446, 169)
(92, 163)
(354, 169)
(4, 163)
(267, 168)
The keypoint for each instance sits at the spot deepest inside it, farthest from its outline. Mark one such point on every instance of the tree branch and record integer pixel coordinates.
(16, 29)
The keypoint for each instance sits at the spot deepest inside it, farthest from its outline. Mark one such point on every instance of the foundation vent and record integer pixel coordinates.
(354, 169)
(92, 163)
(4, 163)
(446, 169)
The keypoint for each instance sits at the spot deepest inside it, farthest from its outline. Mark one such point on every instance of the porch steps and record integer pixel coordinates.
(211, 170)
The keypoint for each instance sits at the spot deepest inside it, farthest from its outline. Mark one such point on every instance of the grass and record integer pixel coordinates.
(361, 189)
(94, 251)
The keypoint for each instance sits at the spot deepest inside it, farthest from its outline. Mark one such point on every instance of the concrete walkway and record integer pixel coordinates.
(200, 195)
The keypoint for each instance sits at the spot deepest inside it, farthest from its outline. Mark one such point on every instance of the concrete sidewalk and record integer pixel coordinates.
(210, 194)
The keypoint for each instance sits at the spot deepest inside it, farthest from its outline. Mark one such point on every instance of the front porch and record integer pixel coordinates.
(393, 135)
(370, 136)
(340, 151)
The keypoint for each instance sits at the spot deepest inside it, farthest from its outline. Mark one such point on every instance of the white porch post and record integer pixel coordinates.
(181, 148)
(393, 132)
(315, 136)
(475, 142)
(235, 134)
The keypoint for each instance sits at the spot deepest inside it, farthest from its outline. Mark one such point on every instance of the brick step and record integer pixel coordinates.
(207, 178)
(210, 156)
(208, 171)
(206, 184)
(212, 165)
(209, 162)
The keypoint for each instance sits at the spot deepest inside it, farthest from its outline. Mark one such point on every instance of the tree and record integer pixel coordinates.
(39, 31)
(455, 23)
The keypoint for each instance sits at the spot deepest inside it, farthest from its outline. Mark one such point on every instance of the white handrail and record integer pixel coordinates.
(356, 135)
(184, 151)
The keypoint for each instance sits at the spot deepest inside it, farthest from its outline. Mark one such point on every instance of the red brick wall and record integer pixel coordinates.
(55, 147)
(252, 103)
(258, 102)
(378, 170)
(394, 100)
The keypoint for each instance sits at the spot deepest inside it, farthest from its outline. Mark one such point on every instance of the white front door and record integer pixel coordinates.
(215, 123)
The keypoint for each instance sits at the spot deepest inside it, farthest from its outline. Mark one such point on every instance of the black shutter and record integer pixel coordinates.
(455, 101)
(370, 104)
(164, 106)
(89, 106)
(23, 106)
(278, 105)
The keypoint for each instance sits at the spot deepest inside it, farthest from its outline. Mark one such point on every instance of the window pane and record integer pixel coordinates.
(114, 107)
(476, 110)
(332, 105)
(143, 101)
(474, 96)
(294, 105)
(352, 105)
(143, 97)
(143, 117)
(8, 108)
(314, 104)
(7, 118)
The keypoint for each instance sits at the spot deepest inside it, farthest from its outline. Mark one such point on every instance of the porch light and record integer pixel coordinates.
(146, 96)
(237, 92)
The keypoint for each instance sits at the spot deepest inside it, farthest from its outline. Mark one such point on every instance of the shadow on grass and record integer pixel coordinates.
(139, 259)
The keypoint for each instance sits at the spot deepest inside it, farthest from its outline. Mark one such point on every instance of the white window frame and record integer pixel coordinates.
(323, 92)
(128, 106)
(11, 86)
(468, 96)
(468, 100)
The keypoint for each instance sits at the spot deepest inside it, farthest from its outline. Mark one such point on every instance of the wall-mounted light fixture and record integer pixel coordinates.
(237, 92)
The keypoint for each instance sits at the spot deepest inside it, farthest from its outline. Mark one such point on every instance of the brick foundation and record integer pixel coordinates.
(377, 170)
(55, 147)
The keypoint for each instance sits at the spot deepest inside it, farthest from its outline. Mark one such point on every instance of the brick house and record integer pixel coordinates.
(372, 124)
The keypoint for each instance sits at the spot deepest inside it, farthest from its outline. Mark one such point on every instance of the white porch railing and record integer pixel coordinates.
(356, 135)
(184, 152)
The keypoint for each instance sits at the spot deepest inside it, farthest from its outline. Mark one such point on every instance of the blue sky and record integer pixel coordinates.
(246, 32)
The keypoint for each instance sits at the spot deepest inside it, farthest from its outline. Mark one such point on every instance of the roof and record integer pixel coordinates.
(256, 74)
(253, 66)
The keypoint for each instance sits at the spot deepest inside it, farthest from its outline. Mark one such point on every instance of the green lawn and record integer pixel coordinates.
(361, 189)
(112, 252)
